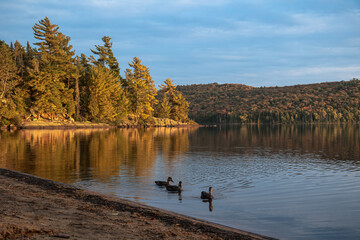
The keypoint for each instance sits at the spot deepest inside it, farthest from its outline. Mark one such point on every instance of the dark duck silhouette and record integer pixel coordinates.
(174, 188)
(164, 183)
(207, 195)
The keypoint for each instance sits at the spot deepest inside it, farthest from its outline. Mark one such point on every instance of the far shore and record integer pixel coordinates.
(36, 208)
(41, 124)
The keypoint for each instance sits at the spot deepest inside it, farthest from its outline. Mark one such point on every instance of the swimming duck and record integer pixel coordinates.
(174, 188)
(207, 195)
(164, 183)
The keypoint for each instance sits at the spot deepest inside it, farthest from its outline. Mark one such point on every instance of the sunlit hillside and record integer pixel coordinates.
(235, 103)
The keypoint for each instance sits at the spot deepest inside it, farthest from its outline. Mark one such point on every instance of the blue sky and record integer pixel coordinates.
(252, 42)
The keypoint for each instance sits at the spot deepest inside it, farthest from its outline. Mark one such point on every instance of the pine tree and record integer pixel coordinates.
(107, 101)
(141, 91)
(106, 56)
(84, 85)
(29, 55)
(164, 108)
(179, 107)
(19, 56)
(76, 75)
(50, 85)
(180, 110)
(9, 94)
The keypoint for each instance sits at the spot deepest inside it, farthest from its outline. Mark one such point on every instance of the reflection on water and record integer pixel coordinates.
(327, 141)
(292, 182)
(73, 155)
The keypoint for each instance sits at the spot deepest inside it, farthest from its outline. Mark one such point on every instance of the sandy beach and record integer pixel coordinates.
(35, 208)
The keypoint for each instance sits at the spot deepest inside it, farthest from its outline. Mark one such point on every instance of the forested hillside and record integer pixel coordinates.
(236, 103)
(48, 82)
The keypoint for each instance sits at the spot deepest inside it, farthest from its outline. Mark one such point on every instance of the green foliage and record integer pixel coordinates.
(164, 108)
(106, 56)
(235, 103)
(180, 109)
(48, 82)
(141, 91)
(10, 101)
(107, 99)
(19, 56)
(173, 104)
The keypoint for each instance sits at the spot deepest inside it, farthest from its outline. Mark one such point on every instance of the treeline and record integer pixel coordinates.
(236, 103)
(49, 82)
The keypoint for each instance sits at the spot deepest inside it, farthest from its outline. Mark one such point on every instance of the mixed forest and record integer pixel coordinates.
(48, 82)
(236, 103)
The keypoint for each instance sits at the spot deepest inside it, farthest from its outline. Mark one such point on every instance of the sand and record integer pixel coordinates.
(35, 208)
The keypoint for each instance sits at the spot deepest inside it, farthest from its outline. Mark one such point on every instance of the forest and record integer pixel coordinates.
(48, 82)
(236, 103)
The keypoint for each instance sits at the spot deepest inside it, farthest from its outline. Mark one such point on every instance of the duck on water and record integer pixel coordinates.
(174, 188)
(164, 183)
(207, 195)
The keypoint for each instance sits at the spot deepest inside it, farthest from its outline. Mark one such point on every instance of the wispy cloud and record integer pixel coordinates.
(257, 42)
(299, 24)
(325, 71)
(148, 6)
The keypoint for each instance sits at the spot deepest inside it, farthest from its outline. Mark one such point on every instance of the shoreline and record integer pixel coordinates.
(181, 226)
(80, 125)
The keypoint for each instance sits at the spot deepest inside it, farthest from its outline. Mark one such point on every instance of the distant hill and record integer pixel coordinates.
(235, 103)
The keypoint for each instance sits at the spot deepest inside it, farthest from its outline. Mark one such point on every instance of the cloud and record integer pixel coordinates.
(149, 6)
(331, 70)
(199, 2)
(206, 41)
(298, 24)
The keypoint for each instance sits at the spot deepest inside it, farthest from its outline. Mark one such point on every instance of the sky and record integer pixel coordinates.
(252, 42)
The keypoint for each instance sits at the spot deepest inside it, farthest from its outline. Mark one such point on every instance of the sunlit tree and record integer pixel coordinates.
(106, 56)
(141, 91)
(50, 83)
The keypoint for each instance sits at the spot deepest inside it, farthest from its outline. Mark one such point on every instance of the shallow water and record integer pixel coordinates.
(289, 182)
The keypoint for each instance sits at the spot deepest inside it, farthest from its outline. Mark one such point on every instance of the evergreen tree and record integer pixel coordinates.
(164, 108)
(29, 55)
(180, 110)
(19, 56)
(107, 101)
(106, 56)
(76, 76)
(84, 85)
(179, 107)
(10, 97)
(141, 91)
(50, 85)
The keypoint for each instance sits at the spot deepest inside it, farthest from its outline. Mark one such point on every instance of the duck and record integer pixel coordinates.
(164, 183)
(174, 188)
(207, 195)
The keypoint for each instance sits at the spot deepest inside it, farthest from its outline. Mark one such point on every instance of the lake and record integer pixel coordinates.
(288, 182)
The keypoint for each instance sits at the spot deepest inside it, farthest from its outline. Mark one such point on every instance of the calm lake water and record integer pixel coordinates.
(288, 182)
